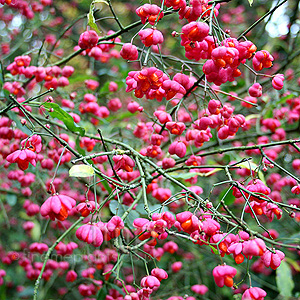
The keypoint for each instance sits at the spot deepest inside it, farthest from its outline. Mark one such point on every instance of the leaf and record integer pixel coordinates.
(293, 263)
(106, 186)
(284, 279)
(92, 21)
(105, 87)
(192, 174)
(252, 166)
(26, 293)
(81, 171)
(215, 251)
(131, 217)
(115, 287)
(13, 116)
(102, 293)
(79, 78)
(295, 237)
(282, 100)
(104, 183)
(90, 15)
(121, 117)
(36, 231)
(2, 75)
(153, 208)
(100, 1)
(78, 148)
(248, 165)
(184, 175)
(253, 116)
(229, 198)
(65, 117)
(11, 199)
(268, 114)
(156, 208)
(118, 209)
(24, 216)
(250, 2)
(211, 172)
(140, 209)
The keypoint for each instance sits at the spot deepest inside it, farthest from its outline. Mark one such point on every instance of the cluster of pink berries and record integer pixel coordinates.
(149, 12)
(53, 76)
(166, 132)
(95, 233)
(194, 10)
(26, 8)
(154, 84)
(156, 228)
(90, 105)
(88, 41)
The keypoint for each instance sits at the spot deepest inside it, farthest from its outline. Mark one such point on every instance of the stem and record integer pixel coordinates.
(105, 38)
(114, 14)
(37, 282)
(260, 19)
(278, 166)
(143, 181)
(243, 148)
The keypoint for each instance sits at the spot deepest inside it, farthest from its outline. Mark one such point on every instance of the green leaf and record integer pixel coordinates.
(189, 175)
(90, 16)
(285, 98)
(24, 216)
(11, 199)
(253, 116)
(104, 183)
(250, 2)
(76, 78)
(81, 171)
(184, 175)
(131, 217)
(229, 198)
(26, 293)
(253, 167)
(92, 21)
(102, 293)
(36, 231)
(121, 117)
(155, 208)
(293, 263)
(215, 251)
(115, 287)
(268, 114)
(105, 88)
(106, 186)
(78, 148)
(13, 116)
(284, 279)
(295, 237)
(116, 208)
(2, 75)
(140, 209)
(100, 1)
(65, 117)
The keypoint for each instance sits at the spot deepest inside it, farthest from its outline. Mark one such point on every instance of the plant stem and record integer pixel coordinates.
(37, 282)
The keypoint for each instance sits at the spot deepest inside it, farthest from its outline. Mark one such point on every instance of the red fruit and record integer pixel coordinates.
(228, 281)
(239, 258)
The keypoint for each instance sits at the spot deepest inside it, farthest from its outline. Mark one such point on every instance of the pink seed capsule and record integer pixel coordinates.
(88, 39)
(255, 90)
(277, 81)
